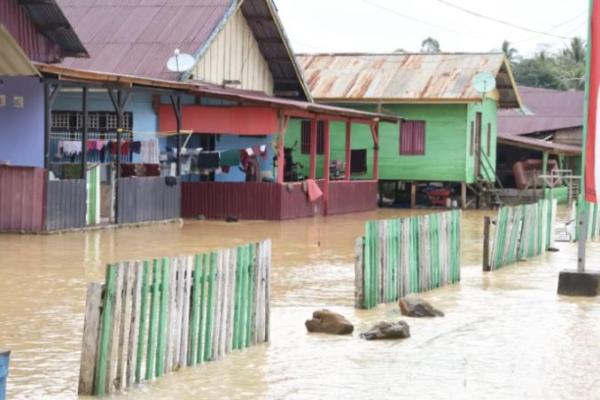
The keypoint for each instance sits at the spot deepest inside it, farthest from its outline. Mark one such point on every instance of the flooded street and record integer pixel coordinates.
(506, 334)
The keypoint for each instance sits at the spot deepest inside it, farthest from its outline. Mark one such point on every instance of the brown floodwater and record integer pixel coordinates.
(506, 335)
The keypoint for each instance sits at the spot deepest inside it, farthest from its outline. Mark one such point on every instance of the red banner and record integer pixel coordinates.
(592, 166)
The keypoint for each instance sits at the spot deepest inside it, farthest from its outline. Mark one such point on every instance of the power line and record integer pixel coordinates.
(409, 17)
(584, 12)
(500, 21)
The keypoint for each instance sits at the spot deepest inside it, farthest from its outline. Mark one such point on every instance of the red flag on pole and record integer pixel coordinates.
(592, 141)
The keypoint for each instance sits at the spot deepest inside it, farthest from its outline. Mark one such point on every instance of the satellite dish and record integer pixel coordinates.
(484, 82)
(180, 62)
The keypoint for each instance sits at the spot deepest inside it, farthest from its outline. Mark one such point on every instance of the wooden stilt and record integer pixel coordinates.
(413, 194)
(463, 195)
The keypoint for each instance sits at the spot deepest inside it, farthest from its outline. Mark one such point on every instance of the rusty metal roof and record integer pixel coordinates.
(538, 145)
(52, 23)
(545, 111)
(137, 37)
(405, 77)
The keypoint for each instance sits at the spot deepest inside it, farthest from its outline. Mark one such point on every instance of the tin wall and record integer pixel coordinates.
(65, 204)
(147, 199)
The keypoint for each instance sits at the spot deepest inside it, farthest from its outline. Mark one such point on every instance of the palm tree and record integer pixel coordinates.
(576, 50)
(509, 52)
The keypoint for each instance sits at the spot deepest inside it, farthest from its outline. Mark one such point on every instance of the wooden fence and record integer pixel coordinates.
(593, 219)
(521, 232)
(153, 317)
(410, 255)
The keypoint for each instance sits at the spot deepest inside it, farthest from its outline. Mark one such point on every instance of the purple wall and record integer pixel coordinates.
(22, 129)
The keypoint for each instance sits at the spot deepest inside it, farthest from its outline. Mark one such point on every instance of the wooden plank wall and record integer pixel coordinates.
(22, 198)
(153, 317)
(593, 227)
(409, 255)
(66, 204)
(147, 199)
(521, 232)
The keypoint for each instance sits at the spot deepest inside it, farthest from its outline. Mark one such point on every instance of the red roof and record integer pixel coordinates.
(546, 110)
(137, 37)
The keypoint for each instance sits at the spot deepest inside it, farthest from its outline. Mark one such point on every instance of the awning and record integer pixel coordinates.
(538, 145)
(13, 60)
(294, 108)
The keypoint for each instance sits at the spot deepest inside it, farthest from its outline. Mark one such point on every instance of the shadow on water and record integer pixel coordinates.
(505, 334)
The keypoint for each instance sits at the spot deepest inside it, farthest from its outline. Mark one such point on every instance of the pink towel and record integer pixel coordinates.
(314, 192)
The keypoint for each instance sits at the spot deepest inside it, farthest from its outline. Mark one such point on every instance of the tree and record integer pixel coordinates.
(430, 45)
(576, 50)
(509, 52)
(400, 50)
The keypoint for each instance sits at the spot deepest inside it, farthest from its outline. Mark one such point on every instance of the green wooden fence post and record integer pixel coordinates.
(163, 319)
(210, 307)
(105, 329)
(143, 321)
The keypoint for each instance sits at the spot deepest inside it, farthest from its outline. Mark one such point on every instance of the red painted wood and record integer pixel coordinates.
(271, 201)
(22, 199)
(354, 196)
(313, 150)
(348, 172)
(221, 120)
(326, 162)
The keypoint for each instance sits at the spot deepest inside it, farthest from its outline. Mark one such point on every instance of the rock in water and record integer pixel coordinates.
(325, 321)
(418, 308)
(387, 330)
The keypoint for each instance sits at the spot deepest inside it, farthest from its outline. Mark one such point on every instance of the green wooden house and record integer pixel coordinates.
(449, 130)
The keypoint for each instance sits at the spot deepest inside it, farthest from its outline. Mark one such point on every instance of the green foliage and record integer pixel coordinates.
(563, 70)
(509, 52)
(430, 45)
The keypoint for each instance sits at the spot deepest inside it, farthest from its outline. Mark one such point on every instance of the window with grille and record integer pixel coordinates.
(412, 138)
(72, 121)
(305, 137)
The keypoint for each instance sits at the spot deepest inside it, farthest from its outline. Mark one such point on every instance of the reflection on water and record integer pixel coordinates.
(506, 334)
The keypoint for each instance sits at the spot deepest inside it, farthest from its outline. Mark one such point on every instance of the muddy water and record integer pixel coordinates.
(506, 334)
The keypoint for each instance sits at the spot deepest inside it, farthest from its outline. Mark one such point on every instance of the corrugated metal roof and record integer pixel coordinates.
(546, 111)
(50, 20)
(404, 77)
(207, 90)
(137, 37)
(539, 145)
(13, 60)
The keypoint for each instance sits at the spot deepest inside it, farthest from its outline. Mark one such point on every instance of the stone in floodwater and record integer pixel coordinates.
(325, 321)
(418, 308)
(387, 330)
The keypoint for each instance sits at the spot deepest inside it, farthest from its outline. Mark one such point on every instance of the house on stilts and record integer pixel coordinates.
(120, 139)
(445, 147)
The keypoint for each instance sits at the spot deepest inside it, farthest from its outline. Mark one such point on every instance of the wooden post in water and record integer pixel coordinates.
(486, 244)
(359, 292)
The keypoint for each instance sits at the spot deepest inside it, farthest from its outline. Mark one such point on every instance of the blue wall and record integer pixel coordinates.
(229, 142)
(145, 120)
(22, 129)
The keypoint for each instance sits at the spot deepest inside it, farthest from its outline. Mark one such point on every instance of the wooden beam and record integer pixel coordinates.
(375, 134)
(326, 162)
(348, 166)
(313, 149)
(283, 121)
(413, 195)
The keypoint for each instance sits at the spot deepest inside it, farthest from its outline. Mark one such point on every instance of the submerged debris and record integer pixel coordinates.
(418, 308)
(387, 330)
(325, 321)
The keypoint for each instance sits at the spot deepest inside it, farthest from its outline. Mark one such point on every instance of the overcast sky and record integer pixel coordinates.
(386, 25)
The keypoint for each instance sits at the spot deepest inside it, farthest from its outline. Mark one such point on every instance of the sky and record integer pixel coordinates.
(387, 25)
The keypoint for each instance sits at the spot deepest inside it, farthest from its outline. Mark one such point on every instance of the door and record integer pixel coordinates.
(477, 144)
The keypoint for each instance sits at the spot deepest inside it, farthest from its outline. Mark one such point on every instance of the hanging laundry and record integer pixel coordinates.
(136, 147)
(150, 151)
(71, 147)
(230, 158)
(208, 160)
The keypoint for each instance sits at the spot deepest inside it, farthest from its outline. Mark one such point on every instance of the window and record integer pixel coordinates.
(72, 121)
(412, 138)
(358, 162)
(305, 133)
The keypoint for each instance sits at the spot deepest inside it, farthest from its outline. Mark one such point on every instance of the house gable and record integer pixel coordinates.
(234, 59)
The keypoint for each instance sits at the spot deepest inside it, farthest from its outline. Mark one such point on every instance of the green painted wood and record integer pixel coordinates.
(105, 330)
(143, 321)
(195, 312)
(251, 294)
(204, 273)
(163, 318)
(210, 311)
(153, 321)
